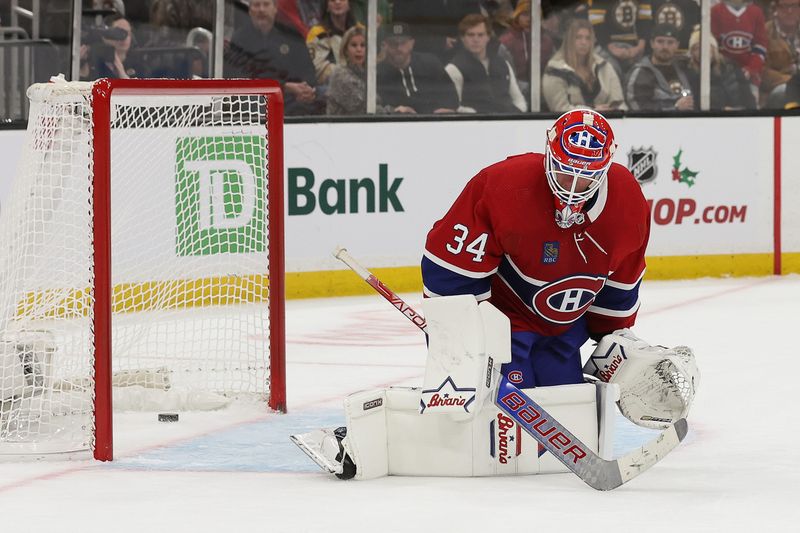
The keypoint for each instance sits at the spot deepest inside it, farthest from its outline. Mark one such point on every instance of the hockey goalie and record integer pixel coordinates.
(539, 254)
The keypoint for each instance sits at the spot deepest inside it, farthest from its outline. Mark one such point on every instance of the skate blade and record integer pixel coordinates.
(315, 456)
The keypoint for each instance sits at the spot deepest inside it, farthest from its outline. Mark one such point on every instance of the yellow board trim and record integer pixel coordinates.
(135, 297)
(790, 263)
(701, 266)
(232, 290)
(408, 279)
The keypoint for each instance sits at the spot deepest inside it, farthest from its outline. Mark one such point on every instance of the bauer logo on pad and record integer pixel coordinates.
(220, 200)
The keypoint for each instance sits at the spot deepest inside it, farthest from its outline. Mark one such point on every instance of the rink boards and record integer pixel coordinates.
(724, 194)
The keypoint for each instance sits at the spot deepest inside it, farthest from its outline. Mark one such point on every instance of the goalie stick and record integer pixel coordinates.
(598, 473)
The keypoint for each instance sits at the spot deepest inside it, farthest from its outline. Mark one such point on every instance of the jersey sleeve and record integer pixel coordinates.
(617, 303)
(462, 251)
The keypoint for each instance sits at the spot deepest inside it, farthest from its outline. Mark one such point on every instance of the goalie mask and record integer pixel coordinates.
(579, 149)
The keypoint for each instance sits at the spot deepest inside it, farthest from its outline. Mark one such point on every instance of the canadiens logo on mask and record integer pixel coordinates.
(579, 149)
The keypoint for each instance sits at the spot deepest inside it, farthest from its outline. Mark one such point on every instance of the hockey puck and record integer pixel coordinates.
(167, 417)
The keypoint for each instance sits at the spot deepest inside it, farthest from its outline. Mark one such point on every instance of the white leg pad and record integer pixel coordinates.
(366, 440)
(386, 434)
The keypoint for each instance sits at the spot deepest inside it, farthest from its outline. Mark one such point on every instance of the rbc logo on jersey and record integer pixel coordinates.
(565, 300)
(550, 252)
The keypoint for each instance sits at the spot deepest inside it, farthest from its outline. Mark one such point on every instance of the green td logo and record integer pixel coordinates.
(220, 194)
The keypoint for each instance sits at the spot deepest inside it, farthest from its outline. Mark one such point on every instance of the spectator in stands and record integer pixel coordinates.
(783, 51)
(109, 57)
(621, 27)
(485, 82)
(659, 82)
(683, 14)
(347, 87)
(793, 92)
(435, 23)
(741, 33)
(578, 76)
(325, 39)
(517, 39)
(264, 48)
(409, 81)
(729, 88)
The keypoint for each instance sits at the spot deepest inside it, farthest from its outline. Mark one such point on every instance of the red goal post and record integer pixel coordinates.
(102, 91)
(198, 304)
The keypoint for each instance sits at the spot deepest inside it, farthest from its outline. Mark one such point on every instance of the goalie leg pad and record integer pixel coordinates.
(386, 435)
(466, 341)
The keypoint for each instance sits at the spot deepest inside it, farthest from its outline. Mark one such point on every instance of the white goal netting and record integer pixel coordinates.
(189, 268)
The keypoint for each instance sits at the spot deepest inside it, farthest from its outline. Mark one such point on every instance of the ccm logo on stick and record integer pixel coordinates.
(534, 421)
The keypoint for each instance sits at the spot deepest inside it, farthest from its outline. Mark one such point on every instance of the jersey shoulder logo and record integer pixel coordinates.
(566, 300)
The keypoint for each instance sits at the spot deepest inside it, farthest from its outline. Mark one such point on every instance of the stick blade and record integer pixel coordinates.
(634, 463)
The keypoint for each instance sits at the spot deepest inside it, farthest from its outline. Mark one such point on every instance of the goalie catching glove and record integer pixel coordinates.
(657, 384)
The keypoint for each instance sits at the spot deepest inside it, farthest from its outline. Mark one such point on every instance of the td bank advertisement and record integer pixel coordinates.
(377, 188)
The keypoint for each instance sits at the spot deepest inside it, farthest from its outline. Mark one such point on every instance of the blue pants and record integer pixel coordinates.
(538, 361)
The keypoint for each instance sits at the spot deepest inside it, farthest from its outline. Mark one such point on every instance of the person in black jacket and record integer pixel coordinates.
(410, 81)
(435, 23)
(266, 49)
(484, 80)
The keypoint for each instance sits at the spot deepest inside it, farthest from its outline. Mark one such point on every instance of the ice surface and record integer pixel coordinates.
(236, 470)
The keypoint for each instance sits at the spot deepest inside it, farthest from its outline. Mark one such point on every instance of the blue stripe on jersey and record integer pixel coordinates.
(619, 301)
(523, 288)
(440, 280)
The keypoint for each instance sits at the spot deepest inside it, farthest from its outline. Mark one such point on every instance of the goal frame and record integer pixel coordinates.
(102, 91)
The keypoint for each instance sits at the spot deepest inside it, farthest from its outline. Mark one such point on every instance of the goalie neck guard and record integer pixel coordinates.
(578, 152)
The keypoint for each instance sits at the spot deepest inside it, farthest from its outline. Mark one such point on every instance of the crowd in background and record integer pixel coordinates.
(462, 56)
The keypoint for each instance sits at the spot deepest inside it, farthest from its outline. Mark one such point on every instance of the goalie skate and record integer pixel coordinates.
(325, 447)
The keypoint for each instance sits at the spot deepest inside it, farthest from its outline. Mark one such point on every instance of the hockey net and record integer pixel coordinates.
(191, 315)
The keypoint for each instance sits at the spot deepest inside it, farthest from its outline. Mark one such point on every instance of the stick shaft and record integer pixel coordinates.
(418, 320)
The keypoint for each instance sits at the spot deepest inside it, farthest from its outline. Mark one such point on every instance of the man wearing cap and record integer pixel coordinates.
(659, 82)
(409, 81)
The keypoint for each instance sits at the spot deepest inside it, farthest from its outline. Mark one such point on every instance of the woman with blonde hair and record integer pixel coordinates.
(347, 86)
(578, 76)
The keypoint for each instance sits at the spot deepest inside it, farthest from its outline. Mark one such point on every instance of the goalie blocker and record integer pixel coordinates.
(450, 427)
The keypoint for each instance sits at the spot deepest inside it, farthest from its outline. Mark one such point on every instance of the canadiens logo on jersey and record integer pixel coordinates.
(737, 42)
(565, 300)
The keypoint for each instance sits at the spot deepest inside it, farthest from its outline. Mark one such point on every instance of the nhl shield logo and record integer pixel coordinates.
(642, 164)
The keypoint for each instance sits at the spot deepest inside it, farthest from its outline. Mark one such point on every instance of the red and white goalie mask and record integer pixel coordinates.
(579, 149)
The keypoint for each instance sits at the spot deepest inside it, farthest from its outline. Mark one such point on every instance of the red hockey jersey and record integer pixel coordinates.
(500, 241)
(742, 36)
